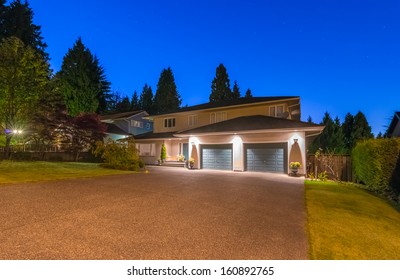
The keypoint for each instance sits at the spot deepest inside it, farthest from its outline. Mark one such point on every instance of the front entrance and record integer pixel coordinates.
(216, 157)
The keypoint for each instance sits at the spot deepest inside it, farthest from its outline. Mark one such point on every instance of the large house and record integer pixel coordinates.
(248, 134)
(122, 125)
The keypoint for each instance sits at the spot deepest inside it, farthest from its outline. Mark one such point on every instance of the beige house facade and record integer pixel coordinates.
(262, 134)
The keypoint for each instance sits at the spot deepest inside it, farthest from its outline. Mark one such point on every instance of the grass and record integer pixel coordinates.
(347, 223)
(17, 172)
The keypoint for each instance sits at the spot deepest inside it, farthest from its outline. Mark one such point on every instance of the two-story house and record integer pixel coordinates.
(254, 134)
(122, 125)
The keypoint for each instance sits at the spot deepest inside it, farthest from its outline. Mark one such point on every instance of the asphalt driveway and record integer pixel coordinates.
(168, 213)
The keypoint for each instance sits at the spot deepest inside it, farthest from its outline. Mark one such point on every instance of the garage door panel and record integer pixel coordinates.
(217, 157)
(266, 157)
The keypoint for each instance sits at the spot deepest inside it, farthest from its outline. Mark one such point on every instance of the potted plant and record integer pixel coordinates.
(191, 163)
(294, 167)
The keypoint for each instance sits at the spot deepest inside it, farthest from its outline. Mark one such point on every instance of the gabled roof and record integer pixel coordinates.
(251, 123)
(113, 129)
(228, 103)
(121, 115)
(394, 127)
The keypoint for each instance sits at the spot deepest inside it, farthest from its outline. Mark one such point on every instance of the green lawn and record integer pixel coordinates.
(15, 171)
(347, 223)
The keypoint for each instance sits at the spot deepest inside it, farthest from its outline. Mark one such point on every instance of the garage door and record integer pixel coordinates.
(266, 157)
(216, 157)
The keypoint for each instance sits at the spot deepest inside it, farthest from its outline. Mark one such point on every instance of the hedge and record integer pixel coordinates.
(376, 163)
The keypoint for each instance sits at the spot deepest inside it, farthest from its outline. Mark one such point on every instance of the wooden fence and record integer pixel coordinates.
(337, 167)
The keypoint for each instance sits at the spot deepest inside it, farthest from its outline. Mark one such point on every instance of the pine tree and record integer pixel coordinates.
(83, 81)
(17, 21)
(146, 101)
(347, 128)
(309, 119)
(135, 102)
(167, 98)
(220, 86)
(248, 94)
(124, 105)
(235, 91)
(361, 129)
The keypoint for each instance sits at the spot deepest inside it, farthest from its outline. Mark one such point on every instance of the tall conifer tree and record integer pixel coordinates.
(146, 101)
(17, 21)
(235, 91)
(167, 98)
(220, 86)
(83, 81)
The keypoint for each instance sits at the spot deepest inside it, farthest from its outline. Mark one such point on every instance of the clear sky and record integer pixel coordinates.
(339, 56)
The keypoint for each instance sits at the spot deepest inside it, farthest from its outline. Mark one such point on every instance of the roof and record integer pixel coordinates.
(152, 135)
(120, 115)
(113, 129)
(393, 125)
(251, 123)
(227, 103)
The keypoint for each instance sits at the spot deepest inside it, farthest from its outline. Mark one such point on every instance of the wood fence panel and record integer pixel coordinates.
(337, 167)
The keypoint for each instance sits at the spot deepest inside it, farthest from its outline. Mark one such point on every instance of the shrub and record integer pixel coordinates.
(119, 155)
(375, 162)
(163, 155)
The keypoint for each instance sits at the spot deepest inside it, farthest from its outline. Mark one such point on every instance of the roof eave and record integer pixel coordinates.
(316, 129)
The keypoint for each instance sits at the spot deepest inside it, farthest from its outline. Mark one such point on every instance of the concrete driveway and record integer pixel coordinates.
(168, 213)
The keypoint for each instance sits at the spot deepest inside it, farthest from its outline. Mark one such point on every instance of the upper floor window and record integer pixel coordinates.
(217, 117)
(170, 122)
(192, 120)
(276, 111)
(136, 123)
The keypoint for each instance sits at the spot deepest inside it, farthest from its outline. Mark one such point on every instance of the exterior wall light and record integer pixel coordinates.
(295, 140)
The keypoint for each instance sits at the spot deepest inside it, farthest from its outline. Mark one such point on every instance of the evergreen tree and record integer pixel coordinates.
(248, 94)
(24, 76)
(124, 105)
(146, 101)
(83, 81)
(135, 102)
(235, 91)
(220, 86)
(331, 139)
(167, 98)
(361, 129)
(17, 21)
(347, 128)
(309, 119)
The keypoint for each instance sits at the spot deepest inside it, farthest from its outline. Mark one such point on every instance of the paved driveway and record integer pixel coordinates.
(169, 213)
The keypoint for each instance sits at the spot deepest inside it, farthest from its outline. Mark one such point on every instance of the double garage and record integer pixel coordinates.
(261, 157)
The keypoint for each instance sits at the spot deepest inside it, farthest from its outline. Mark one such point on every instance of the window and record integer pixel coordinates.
(136, 124)
(169, 122)
(192, 120)
(148, 126)
(217, 117)
(276, 111)
(146, 149)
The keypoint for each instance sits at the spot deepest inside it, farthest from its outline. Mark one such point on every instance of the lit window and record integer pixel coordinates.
(146, 149)
(136, 124)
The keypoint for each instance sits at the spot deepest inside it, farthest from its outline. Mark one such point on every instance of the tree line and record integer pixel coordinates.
(57, 107)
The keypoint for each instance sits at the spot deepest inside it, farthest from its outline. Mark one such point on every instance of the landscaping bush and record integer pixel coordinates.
(121, 155)
(375, 162)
